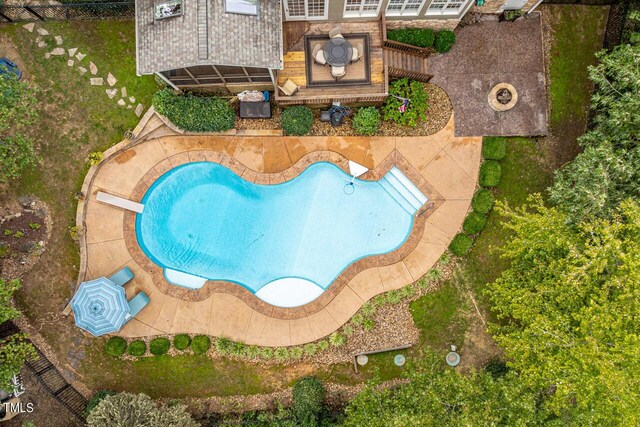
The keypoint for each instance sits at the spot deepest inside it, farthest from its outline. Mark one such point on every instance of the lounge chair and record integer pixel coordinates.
(335, 32)
(289, 88)
(357, 53)
(122, 276)
(318, 55)
(338, 72)
(136, 304)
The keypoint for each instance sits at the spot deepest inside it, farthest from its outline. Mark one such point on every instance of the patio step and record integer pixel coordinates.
(403, 190)
(405, 64)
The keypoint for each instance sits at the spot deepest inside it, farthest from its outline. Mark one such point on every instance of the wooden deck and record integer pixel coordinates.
(294, 67)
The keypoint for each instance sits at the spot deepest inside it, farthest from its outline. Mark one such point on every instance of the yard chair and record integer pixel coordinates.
(357, 53)
(289, 88)
(338, 72)
(318, 55)
(335, 32)
(122, 276)
(136, 304)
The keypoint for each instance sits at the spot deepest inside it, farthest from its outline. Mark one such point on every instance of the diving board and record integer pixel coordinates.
(119, 202)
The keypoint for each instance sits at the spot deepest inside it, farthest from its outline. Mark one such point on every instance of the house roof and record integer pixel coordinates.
(206, 35)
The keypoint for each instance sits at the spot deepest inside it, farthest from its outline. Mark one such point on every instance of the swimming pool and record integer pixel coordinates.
(286, 243)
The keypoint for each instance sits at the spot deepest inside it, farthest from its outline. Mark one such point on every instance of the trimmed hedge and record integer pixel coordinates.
(461, 244)
(159, 346)
(445, 40)
(474, 223)
(367, 121)
(297, 120)
(195, 113)
(116, 346)
(200, 344)
(490, 173)
(420, 37)
(482, 201)
(181, 341)
(137, 348)
(494, 148)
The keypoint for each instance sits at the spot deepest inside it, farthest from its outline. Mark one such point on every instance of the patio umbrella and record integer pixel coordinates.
(100, 306)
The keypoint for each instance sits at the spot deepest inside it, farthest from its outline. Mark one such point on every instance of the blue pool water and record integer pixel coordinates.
(204, 220)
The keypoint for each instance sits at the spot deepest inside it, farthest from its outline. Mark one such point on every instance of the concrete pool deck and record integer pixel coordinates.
(445, 165)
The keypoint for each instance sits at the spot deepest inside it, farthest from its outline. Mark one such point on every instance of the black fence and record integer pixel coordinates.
(68, 12)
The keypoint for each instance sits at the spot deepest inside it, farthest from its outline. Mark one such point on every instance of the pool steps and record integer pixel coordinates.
(403, 190)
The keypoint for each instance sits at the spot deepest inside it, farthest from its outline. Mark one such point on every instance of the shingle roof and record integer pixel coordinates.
(205, 34)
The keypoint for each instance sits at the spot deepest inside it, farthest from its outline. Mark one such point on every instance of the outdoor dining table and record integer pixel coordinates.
(338, 51)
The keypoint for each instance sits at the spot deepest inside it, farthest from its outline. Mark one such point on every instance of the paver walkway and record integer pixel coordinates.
(484, 55)
(447, 163)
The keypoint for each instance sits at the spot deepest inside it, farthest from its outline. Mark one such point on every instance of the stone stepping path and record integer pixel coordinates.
(75, 57)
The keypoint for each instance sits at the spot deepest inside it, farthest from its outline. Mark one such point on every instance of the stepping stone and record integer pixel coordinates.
(80, 56)
(121, 102)
(43, 32)
(38, 39)
(29, 27)
(123, 91)
(72, 51)
(58, 40)
(139, 109)
(93, 68)
(111, 93)
(132, 99)
(97, 81)
(47, 55)
(57, 51)
(111, 80)
(70, 62)
(82, 70)
(129, 107)
(41, 44)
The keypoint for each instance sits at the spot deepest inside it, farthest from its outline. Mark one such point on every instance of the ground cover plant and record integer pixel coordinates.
(195, 113)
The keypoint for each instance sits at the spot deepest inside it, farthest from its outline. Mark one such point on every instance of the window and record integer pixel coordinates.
(243, 7)
(447, 7)
(358, 8)
(298, 10)
(404, 7)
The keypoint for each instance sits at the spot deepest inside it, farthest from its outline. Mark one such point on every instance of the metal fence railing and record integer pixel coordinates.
(68, 12)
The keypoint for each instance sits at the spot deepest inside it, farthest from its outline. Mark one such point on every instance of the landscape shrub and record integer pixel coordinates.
(460, 244)
(445, 40)
(200, 344)
(323, 345)
(490, 173)
(297, 120)
(137, 348)
(195, 113)
(159, 346)
(310, 349)
(116, 346)
(96, 399)
(474, 223)
(494, 148)
(181, 341)
(415, 112)
(368, 324)
(281, 353)
(336, 339)
(296, 352)
(482, 201)
(421, 37)
(367, 121)
(308, 401)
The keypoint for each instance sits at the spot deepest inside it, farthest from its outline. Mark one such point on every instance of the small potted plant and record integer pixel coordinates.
(510, 15)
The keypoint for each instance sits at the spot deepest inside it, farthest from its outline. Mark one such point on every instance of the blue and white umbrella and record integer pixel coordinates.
(100, 306)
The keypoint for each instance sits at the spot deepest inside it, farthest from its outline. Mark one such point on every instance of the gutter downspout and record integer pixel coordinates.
(534, 7)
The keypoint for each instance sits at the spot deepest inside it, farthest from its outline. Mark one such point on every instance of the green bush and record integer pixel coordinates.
(137, 348)
(281, 353)
(200, 344)
(490, 173)
(159, 346)
(421, 37)
(474, 223)
(417, 108)
(308, 401)
(367, 121)
(445, 40)
(460, 244)
(494, 148)
(116, 346)
(297, 120)
(181, 341)
(336, 339)
(96, 399)
(482, 201)
(195, 113)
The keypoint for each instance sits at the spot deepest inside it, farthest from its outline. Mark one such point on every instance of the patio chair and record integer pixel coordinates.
(289, 88)
(318, 55)
(335, 32)
(357, 53)
(136, 304)
(338, 72)
(122, 276)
